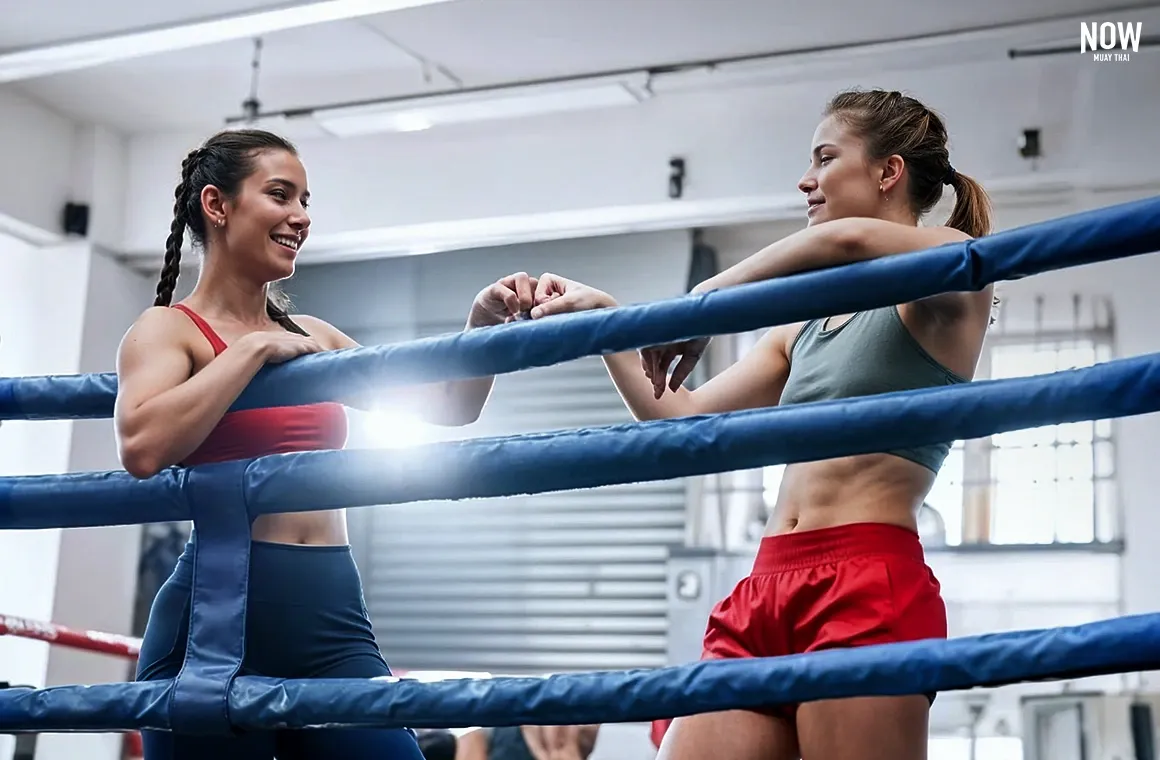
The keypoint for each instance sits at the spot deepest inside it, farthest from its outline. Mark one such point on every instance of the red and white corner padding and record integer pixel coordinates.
(92, 641)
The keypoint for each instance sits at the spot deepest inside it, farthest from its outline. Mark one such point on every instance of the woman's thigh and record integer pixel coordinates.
(731, 735)
(864, 728)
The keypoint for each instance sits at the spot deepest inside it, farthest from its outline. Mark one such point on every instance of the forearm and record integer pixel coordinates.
(460, 402)
(827, 245)
(168, 427)
(842, 241)
(637, 390)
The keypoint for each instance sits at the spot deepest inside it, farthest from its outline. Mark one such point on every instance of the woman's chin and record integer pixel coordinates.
(279, 270)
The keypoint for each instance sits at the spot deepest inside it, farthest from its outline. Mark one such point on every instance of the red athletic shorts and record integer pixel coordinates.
(849, 586)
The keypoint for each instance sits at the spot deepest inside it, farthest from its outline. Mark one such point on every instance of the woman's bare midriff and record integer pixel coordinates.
(876, 488)
(326, 528)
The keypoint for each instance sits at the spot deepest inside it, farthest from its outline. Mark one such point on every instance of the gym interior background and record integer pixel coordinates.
(660, 139)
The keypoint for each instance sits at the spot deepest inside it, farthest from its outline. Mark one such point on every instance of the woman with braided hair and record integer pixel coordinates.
(243, 196)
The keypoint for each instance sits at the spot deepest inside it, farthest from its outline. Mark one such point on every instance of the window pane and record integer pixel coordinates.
(1048, 483)
(1073, 357)
(1105, 461)
(1075, 521)
(1075, 432)
(1103, 428)
(1024, 496)
(1026, 437)
(771, 483)
(1107, 511)
(1074, 462)
(946, 495)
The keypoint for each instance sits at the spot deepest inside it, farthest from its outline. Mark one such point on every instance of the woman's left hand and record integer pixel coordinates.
(656, 360)
(505, 300)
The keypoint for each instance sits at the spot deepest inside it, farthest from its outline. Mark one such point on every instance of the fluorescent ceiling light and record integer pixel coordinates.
(71, 56)
(417, 114)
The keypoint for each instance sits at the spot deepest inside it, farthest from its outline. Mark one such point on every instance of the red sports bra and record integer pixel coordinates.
(258, 432)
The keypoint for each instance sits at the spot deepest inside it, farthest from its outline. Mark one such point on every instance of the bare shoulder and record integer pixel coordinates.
(160, 340)
(782, 338)
(946, 235)
(160, 326)
(325, 333)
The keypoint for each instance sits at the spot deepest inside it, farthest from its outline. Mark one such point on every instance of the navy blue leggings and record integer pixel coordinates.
(305, 619)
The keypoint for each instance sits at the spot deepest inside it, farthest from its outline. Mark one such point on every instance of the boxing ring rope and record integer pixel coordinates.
(222, 499)
(54, 633)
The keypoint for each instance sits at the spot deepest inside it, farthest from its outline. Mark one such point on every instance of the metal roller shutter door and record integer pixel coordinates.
(545, 583)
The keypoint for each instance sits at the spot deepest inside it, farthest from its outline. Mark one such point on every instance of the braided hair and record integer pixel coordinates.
(224, 161)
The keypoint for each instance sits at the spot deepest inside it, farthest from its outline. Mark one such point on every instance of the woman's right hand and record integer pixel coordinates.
(559, 295)
(279, 347)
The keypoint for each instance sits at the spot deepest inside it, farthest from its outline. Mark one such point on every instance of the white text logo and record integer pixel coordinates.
(1107, 36)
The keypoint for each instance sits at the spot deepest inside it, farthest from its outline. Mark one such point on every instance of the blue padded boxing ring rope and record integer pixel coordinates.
(222, 499)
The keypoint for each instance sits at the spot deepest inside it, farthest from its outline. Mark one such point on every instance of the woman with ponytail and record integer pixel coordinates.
(840, 564)
(243, 197)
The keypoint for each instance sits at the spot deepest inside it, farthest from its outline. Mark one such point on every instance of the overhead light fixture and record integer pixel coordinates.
(71, 56)
(1069, 48)
(417, 114)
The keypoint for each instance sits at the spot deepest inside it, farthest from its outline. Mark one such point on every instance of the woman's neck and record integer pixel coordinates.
(897, 213)
(227, 294)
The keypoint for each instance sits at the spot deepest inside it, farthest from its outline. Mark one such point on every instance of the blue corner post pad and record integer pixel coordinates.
(199, 702)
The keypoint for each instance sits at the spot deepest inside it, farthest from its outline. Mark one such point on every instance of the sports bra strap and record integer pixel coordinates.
(214, 339)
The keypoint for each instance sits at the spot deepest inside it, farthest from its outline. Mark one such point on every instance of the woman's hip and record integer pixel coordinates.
(304, 613)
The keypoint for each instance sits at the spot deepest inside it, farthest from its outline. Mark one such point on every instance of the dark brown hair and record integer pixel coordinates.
(895, 124)
(224, 161)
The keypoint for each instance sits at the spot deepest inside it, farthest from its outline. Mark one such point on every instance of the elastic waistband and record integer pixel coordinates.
(289, 573)
(809, 548)
(272, 549)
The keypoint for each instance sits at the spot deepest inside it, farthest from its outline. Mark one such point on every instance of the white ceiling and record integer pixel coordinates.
(466, 43)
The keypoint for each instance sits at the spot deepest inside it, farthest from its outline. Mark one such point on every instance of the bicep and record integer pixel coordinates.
(755, 381)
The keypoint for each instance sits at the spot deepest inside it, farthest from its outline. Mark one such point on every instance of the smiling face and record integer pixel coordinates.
(842, 180)
(266, 219)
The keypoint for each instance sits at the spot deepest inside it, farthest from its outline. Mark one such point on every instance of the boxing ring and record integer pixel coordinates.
(208, 696)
